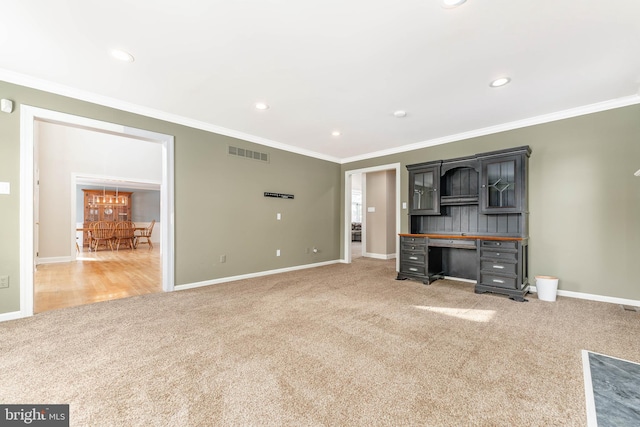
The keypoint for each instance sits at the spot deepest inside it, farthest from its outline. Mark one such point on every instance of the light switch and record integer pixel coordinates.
(371, 209)
(404, 205)
(5, 188)
(278, 216)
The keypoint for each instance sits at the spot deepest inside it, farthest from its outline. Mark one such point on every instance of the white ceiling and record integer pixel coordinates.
(325, 65)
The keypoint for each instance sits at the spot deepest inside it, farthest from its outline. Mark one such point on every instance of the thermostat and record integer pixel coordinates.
(6, 105)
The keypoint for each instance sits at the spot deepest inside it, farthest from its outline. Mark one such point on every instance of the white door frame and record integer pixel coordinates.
(28, 116)
(347, 208)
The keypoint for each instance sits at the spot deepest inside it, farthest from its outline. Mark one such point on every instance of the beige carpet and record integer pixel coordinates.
(336, 345)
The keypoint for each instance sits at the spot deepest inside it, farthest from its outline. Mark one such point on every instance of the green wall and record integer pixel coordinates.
(219, 204)
(584, 200)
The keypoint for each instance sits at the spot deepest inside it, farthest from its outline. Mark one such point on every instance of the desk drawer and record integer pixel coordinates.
(413, 240)
(498, 267)
(499, 244)
(498, 254)
(416, 269)
(413, 257)
(413, 247)
(498, 281)
(453, 243)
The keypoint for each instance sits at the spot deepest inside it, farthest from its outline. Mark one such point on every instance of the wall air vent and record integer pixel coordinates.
(248, 154)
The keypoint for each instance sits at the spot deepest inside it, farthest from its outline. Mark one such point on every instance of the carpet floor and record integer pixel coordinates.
(334, 345)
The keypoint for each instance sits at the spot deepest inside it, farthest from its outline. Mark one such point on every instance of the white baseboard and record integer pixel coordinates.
(11, 316)
(594, 297)
(251, 275)
(379, 256)
(53, 260)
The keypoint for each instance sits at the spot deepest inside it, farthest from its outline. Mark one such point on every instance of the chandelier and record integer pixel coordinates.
(108, 199)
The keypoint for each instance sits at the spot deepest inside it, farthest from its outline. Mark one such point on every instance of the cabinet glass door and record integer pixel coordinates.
(500, 185)
(424, 191)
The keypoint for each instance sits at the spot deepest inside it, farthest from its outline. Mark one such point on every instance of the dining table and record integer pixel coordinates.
(88, 230)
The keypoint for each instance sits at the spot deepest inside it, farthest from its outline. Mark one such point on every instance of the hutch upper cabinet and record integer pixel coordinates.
(503, 184)
(468, 219)
(424, 189)
(100, 205)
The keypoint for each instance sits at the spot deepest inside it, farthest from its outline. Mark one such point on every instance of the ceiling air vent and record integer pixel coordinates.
(248, 154)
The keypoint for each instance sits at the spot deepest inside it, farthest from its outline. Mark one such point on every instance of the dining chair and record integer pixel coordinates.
(145, 234)
(102, 232)
(124, 231)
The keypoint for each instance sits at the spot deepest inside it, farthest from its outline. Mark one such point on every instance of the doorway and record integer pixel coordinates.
(88, 276)
(29, 188)
(350, 177)
(357, 250)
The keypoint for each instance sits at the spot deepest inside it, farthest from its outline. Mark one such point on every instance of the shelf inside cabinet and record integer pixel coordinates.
(471, 199)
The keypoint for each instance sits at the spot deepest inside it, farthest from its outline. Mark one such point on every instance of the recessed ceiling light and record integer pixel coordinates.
(121, 55)
(500, 82)
(452, 3)
(261, 106)
(336, 133)
(400, 114)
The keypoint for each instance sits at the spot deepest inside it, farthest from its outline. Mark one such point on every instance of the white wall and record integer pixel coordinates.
(65, 151)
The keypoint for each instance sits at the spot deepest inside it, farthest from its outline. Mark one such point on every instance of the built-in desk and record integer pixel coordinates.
(496, 264)
(468, 219)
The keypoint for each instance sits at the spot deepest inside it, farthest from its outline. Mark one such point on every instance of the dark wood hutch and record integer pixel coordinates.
(105, 205)
(468, 218)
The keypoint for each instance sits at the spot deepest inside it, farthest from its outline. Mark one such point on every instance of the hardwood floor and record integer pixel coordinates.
(356, 250)
(97, 276)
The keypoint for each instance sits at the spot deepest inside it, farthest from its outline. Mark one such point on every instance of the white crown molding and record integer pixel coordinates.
(545, 118)
(58, 89)
(40, 84)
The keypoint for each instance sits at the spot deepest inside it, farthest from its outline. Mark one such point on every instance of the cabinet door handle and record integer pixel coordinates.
(498, 281)
(413, 257)
(499, 266)
(413, 247)
(413, 269)
(497, 253)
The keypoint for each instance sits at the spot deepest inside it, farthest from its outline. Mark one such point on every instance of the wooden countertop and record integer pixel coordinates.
(465, 236)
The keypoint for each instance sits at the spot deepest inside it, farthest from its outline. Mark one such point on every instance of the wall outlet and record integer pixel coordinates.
(4, 281)
(277, 252)
(223, 259)
(278, 216)
(5, 188)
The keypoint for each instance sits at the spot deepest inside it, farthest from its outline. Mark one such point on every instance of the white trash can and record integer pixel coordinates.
(547, 287)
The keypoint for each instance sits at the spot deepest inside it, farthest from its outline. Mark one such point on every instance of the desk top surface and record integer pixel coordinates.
(466, 236)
